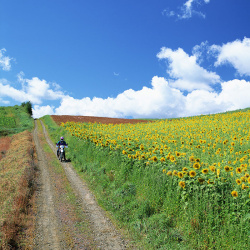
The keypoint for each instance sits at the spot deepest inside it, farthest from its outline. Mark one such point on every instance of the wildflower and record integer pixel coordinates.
(234, 193)
(182, 184)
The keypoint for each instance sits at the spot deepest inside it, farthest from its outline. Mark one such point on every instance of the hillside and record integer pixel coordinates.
(15, 119)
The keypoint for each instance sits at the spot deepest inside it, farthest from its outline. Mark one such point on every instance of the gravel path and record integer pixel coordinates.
(49, 237)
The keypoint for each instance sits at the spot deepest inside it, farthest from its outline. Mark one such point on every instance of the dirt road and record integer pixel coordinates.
(49, 227)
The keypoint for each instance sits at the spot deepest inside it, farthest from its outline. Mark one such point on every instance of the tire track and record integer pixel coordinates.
(105, 234)
(47, 226)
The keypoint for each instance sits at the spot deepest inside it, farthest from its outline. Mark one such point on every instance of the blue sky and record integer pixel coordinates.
(156, 59)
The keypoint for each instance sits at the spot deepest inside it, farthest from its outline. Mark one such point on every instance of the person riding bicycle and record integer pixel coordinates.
(59, 143)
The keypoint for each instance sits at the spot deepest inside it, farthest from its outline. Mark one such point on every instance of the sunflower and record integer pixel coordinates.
(191, 158)
(205, 171)
(238, 170)
(212, 168)
(227, 168)
(154, 158)
(201, 180)
(169, 173)
(172, 158)
(182, 184)
(234, 193)
(180, 175)
(177, 154)
(196, 165)
(238, 181)
(164, 171)
(210, 181)
(162, 159)
(192, 173)
(175, 173)
(243, 178)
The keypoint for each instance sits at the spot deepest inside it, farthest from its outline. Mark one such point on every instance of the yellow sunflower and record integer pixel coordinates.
(182, 184)
(234, 193)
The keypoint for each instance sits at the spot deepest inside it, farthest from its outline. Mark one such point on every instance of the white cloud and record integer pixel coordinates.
(187, 10)
(39, 111)
(34, 90)
(236, 94)
(4, 60)
(236, 53)
(157, 101)
(164, 98)
(161, 101)
(186, 71)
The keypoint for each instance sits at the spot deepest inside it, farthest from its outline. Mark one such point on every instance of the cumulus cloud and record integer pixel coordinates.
(187, 73)
(4, 60)
(188, 90)
(39, 111)
(159, 100)
(236, 53)
(34, 90)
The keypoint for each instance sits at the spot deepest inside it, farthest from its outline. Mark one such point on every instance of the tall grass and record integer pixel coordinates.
(17, 173)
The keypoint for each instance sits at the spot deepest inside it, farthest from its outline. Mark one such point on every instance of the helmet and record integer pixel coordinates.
(62, 138)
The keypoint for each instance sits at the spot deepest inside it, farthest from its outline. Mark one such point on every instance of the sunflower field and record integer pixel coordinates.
(203, 161)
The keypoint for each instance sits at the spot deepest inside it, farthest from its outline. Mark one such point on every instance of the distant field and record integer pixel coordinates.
(105, 120)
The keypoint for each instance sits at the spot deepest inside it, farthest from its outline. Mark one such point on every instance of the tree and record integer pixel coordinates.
(28, 107)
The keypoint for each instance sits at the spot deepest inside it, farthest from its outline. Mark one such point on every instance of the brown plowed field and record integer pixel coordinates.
(68, 118)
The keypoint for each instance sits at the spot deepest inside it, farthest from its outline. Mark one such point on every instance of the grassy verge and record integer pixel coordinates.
(14, 119)
(75, 226)
(17, 173)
